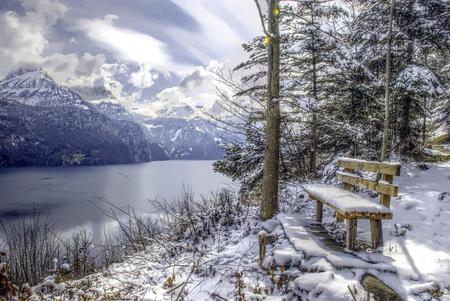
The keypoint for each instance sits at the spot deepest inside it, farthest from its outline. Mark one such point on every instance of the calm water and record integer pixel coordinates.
(67, 193)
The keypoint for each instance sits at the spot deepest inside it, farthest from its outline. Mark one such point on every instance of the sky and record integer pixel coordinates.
(149, 53)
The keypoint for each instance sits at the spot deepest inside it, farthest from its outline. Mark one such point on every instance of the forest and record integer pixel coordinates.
(347, 75)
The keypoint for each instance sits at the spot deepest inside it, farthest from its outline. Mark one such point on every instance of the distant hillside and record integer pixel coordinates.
(42, 123)
(194, 139)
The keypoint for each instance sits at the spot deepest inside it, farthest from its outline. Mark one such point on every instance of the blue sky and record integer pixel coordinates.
(138, 49)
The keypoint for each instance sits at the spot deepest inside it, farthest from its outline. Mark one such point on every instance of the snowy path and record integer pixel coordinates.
(330, 271)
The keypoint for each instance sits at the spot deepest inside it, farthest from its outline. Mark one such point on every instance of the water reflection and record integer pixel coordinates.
(69, 194)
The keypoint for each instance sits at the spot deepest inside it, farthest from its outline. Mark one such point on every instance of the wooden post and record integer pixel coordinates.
(319, 211)
(376, 226)
(352, 225)
(376, 231)
(385, 200)
(262, 246)
(347, 187)
(339, 217)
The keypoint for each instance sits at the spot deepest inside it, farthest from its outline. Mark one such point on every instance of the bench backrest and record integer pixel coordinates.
(383, 184)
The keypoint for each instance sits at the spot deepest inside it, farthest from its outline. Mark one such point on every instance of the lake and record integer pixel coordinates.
(70, 194)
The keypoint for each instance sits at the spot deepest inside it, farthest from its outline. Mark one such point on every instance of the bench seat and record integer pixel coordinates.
(347, 204)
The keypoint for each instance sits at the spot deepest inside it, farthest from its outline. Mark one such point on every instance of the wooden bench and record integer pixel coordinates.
(350, 206)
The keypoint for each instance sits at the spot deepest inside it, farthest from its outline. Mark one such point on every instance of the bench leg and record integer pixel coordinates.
(339, 218)
(352, 225)
(376, 230)
(319, 211)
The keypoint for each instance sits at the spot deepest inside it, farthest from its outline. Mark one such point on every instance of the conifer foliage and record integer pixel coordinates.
(332, 85)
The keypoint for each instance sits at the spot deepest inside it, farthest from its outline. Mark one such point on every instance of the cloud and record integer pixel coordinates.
(195, 94)
(133, 46)
(139, 55)
(195, 79)
(218, 36)
(223, 27)
(144, 77)
(24, 42)
(74, 69)
(112, 76)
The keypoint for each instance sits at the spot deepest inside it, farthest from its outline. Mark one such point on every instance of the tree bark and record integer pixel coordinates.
(405, 127)
(313, 153)
(387, 95)
(424, 124)
(269, 205)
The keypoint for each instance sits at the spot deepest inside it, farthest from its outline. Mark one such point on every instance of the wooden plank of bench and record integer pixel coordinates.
(382, 187)
(377, 167)
(355, 214)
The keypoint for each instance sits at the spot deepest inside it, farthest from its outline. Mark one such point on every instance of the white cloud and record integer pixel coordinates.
(133, 46)
(74, 69)
(108, 74)
(195, 95)
(222, 27)
(144, 77)
(24, 42)
(21, 41)
(220, 37)
(43, 11)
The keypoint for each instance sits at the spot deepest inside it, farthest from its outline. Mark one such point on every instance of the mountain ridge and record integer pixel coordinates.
(43, 123)
(41, 119)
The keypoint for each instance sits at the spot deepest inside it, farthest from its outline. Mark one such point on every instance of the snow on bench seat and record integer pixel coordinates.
(346, 203)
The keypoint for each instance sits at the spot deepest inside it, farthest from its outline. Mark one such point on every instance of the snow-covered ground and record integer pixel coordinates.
(224, 265)
(421, 251)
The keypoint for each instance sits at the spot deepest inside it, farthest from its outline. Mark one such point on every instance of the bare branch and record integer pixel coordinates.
(261, 17)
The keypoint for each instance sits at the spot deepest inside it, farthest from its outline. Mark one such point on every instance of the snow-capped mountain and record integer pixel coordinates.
(35, 87)
(181, 128)
(186, 139)
(43, 123)
(104, 102)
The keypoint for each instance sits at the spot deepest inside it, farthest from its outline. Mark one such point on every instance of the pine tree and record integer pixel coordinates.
(311, 46)
(419, 27)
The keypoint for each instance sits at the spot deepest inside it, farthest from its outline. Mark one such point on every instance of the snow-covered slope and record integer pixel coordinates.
(301, 262)
(186, 139)
(43, 123)
(35, 87)
(104, 102)
(178, 131)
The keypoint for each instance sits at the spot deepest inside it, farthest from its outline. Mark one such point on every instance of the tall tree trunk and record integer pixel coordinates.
(269, 206)
(387, 94)
(405, 127)
(313, 152)
(424, 124)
